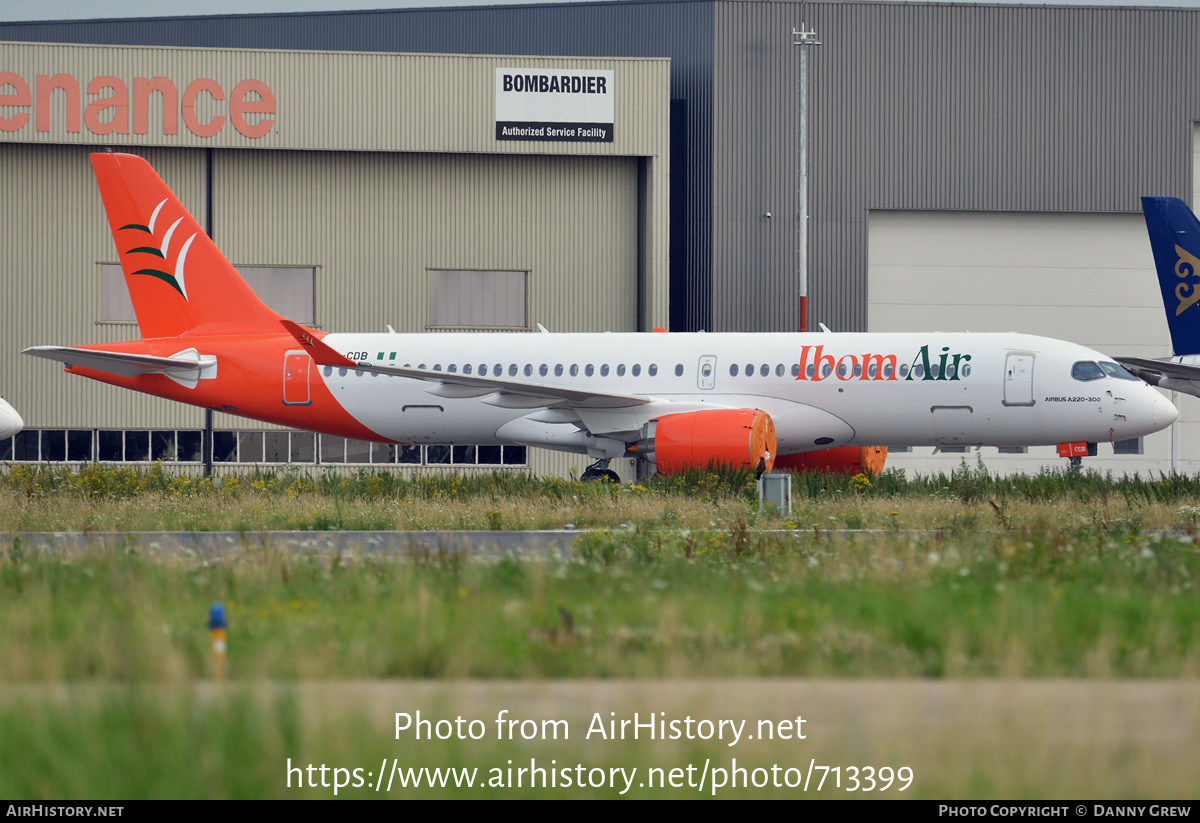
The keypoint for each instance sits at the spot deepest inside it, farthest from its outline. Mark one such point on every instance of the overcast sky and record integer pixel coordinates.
(11, 10)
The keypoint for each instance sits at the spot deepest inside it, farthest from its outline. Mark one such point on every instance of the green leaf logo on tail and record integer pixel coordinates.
(174, 280)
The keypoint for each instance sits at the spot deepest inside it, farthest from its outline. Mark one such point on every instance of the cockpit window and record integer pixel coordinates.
(1086, 370)
(1116, 370)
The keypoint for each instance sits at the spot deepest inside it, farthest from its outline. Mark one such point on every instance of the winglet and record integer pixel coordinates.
(1175, 241)
(321, 354)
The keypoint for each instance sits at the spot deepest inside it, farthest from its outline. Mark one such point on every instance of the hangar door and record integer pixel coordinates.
(1088, 278)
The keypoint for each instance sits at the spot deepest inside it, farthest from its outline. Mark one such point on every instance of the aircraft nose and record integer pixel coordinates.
(1162, 412)
(10, 421)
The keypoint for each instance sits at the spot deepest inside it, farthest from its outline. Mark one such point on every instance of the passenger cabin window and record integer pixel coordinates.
(1086, 370)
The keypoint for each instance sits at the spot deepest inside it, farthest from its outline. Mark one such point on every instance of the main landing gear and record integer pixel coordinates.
(599, 471)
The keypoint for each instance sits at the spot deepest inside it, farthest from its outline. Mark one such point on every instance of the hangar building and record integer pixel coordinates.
(970, 167)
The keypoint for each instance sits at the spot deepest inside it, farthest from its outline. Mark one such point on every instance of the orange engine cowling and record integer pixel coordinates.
(695, 440)
(842, 460)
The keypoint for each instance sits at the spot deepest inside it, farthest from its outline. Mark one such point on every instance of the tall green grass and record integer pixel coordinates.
(634, 603)
(965, 483)
(100, 498)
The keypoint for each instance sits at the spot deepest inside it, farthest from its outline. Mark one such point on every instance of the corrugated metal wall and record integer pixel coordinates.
(570, 221)
(914, 106)
(385, 219)
(932, 106)
(337, 101)
(682, 31)
(53, 235)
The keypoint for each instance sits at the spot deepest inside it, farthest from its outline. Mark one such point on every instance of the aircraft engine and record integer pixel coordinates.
(842, 460)
(732, 437)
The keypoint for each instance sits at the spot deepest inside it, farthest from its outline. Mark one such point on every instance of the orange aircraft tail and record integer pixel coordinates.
(177, 277)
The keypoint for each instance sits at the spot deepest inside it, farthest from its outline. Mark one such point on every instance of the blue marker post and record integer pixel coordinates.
(216, 636)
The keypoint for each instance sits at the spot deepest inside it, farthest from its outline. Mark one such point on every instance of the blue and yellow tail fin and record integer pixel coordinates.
(1175, 241)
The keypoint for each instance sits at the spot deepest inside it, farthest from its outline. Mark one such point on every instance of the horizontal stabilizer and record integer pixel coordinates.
(115, 362)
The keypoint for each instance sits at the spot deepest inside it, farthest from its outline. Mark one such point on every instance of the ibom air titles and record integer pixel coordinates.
(816, 365)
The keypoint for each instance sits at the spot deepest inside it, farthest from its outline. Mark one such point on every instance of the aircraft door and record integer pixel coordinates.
(423, 423)
(296, 366)
(954, 425)
(1018, 379)
(706, 374)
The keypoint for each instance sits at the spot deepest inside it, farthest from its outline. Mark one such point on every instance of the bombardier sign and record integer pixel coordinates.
(555, 105)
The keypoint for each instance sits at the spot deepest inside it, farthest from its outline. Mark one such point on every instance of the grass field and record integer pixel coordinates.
(1045, 642)
(97, 498)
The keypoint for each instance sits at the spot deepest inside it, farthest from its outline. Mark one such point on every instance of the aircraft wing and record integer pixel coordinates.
(514, 394)
(1166, 368)
(113, 362)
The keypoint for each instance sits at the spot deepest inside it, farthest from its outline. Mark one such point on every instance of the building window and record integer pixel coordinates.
(1133, 446)
(244, 447)
(471, 299)
(289, 290)
(115, 305)
(1013, 449)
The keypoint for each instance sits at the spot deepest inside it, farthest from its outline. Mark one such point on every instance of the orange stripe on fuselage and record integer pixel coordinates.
(249, 382)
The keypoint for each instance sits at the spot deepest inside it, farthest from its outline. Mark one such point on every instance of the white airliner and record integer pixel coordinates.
(675, 400)
(10, 421)
(1175, 241)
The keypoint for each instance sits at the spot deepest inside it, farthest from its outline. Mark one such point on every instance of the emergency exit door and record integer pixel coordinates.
(296, 366)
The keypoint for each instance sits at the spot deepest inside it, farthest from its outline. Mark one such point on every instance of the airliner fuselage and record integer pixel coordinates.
(821, 390)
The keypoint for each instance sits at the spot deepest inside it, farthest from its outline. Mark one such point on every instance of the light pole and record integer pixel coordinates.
(803, 38)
